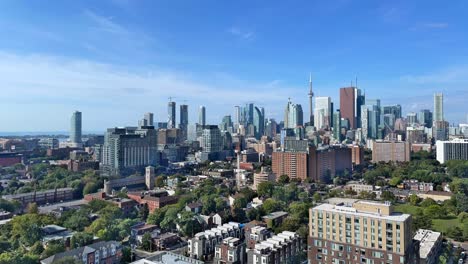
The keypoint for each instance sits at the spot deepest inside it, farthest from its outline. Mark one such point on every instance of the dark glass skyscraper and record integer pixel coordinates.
(171, 115)
(183, 125)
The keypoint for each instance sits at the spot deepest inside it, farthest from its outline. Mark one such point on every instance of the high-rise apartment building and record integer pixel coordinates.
(183, 125)
(438, 107)
(322, 115)
(390, 151)
(129, 149)
(171, 115)
(456, 149)
(202, 116)
(360, 101)
(293, 115)
(75, 128)
(348, 105)
(440, 130)
(356, 232)
(211, 140)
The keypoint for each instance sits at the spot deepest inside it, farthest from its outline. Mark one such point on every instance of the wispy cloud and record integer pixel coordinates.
(243, 34)
(450, 75)
(430, 26)
(105, 23)
(67, 84)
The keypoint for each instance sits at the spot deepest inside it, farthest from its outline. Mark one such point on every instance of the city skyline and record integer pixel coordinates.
(113, 65)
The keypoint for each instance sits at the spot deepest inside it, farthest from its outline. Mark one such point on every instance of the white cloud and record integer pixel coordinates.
(109, 93)
(243, 34)
(450, 75)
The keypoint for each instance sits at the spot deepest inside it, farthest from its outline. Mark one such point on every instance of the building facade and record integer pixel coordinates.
(391, 151)
(359, 232)
(456, 149)
(75, 128)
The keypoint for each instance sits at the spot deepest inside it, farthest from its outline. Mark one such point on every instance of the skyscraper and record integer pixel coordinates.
(149, 119)
(425, 118)
(211, 140)
(348, 105)
(202, 115)
(75, 127)
(337, 125)
(438, 107)
(360, 101)
(293, 115)
(311, 95)
(171, 115)
(322, 112)
(183, 120)
(411, 118)
(258, 122)
(237, 116)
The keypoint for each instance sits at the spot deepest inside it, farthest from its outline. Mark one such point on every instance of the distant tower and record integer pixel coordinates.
(438, 107)
(202, 116)
(311, 94)
(149, 177)
(238, 174)
(171, 114)
(75, 127)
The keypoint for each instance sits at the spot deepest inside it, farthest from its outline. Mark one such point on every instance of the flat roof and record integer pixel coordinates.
(399, 217)
(427, 239)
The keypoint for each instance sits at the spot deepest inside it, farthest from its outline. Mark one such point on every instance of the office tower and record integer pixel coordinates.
(360, 101)
(322, 112)
(440, 130)
(456, 149)
(364, 122)
(348, 105)
(387, 151)
(237, 116)
(438, 107)
(258, 122)
(211, 140)
(395, 110)
(75, 127)
(226, 124)
(311, 95)
(425, 118)
(337, 125)
(293, 115)
(249, 113)
(411, 118)
(171, 115)
(355, 232)
(270, 128)
(183, 125)
(127, 150)
(389, 121)
(202, 116)
(149, 119)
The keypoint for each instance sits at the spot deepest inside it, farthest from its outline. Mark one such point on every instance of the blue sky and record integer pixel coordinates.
(114, 60)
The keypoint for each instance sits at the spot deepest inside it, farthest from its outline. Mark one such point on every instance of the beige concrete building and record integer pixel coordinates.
(391, 151)
(265, 175)
(358, 231)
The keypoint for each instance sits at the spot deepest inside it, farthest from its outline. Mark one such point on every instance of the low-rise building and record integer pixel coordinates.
(230, 251)
(126, 205)
(359, 187)
(154, 199)
(274, 219)
(256, 234)
(430, 245)
(42, 197)
(281, 248)
(109, 252)
(202, 245)
(55, 233)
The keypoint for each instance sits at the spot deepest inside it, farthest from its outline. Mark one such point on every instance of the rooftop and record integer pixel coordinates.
(275, 215)
(427, 239)
(349, 209)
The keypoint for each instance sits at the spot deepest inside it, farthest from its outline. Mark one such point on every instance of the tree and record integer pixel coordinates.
(283, 179)
(53, 248)
(434, 211)
(159, 181)
(170, 217)
(394, 181)
(67, 260)
(428, 202)
(317, 197)
(299, 210)
(271, 205)
(143, 212)
(81, 239)
(37, 248)
(32, 208)
(456, 233)
(462, 202)
(388, 196)
(265, 189)
(240, 202)
(146, 242)
(77, 221)
(421, 221)
(414, 199)
(157, 216)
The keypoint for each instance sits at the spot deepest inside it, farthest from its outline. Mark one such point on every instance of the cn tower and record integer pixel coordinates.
(311, 109)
